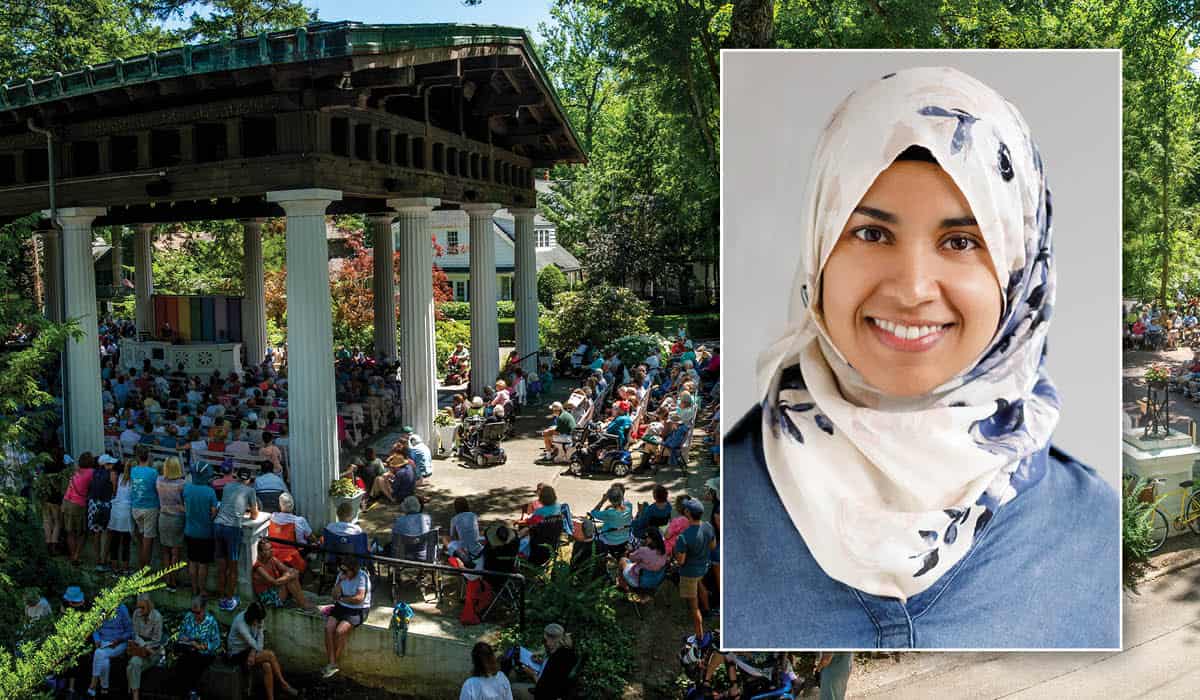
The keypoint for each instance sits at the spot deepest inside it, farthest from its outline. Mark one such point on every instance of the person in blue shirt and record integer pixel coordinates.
(656, 514)
(419, 452)
(144, 492)
(200, 507)
(110, 640)
(615, 521)
(619, 426)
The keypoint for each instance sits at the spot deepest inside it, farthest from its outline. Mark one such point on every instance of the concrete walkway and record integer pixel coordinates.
(1161, 649)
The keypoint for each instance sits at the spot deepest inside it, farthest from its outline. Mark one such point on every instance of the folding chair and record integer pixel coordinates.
(268, 501)
(422, 548)
(544, 539)
(501, 560)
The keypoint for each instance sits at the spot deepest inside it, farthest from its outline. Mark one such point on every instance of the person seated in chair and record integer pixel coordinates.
(654, 515)
(619, 426)
(286, 524)
(413, 523)
(560, 433)
(645, 563)
(268, 481)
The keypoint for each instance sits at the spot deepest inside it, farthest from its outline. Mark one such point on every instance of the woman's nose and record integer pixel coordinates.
(914, 277)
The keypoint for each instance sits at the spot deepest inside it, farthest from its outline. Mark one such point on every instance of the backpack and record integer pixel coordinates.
(401, 614)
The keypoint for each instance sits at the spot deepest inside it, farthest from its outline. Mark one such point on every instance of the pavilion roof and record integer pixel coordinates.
(314, 42)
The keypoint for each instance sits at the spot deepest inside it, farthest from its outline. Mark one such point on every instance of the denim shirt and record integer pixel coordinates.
(1043, 574)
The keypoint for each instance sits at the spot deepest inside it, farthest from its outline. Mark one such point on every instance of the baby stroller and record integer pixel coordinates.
(480, 443)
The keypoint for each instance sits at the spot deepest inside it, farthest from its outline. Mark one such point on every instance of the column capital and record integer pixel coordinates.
(307, 202)
(481, 209)
(254, 221)
(377, 217)
(82, 215)
(519, 212)
(410, 203)
(143, 227)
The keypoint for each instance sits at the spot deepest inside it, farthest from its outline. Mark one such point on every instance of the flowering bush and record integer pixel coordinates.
(343, 488)
(1157, 373)
(632, 349)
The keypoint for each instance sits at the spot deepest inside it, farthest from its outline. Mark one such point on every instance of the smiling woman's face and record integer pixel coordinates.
(908, 293)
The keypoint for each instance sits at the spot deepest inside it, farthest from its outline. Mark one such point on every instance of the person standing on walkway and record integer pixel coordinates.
(834, 669)
(145, 505)
(238, 499)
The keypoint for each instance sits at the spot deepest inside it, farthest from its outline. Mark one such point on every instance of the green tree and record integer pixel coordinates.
(213, 20)
(550, 281)
(39, 37)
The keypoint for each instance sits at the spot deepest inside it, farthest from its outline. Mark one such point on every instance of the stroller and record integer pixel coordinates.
(480, 443)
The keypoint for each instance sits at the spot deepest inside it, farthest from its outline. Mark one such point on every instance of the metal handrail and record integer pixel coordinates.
(392, 561)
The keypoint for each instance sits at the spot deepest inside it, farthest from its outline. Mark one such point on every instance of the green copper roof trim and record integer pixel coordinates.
(312, 42)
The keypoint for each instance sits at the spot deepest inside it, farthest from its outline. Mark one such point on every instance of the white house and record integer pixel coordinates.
(453, 233)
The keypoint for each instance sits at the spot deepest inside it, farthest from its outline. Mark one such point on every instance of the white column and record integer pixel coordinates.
(312, 410)
(52, 274)
(143, 278)
(418, 379)
(485, 346)
(83, 407)
(254, 310)
(383, 284)
(525, 289)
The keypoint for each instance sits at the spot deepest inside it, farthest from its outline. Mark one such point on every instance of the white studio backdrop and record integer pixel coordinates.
(774, 105)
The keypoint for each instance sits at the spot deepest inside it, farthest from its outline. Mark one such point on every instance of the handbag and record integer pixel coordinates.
(135, 649)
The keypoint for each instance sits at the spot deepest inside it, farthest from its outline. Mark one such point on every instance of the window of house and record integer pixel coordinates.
(452, 239)
(544, 238)
(506, 288)
(460, 290)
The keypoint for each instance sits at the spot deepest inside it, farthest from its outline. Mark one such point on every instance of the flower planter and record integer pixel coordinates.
(355, 502)
(445, 438)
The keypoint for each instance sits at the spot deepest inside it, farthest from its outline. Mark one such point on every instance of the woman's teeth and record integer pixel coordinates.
(906, 332)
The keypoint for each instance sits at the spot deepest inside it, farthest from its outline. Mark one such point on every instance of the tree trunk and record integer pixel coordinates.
(752, 25)
(1166, 180)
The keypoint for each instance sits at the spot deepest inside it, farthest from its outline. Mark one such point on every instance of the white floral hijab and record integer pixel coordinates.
(890, 493)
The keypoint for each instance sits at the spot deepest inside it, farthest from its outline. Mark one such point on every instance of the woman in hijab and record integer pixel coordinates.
(899, 469)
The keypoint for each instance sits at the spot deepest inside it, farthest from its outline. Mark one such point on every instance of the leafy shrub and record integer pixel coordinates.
(446, 334)
(457, 310)
(599, 314)
(1135, 530)
(508, 330)
(506, 309)
(586, 608)
(550, 282)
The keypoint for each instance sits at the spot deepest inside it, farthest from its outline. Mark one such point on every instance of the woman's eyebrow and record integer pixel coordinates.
(959, 221)
(886, 217)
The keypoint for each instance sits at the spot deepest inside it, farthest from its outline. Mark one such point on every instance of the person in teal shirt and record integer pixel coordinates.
(615, 521)
(197, 646)
(620, 427)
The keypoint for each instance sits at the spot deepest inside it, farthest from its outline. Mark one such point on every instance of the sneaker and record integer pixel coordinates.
(227, 604)
(100, 568)
(171, 588)
(329, 671)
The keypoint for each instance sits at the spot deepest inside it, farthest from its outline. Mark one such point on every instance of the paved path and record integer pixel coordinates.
(1161, 651)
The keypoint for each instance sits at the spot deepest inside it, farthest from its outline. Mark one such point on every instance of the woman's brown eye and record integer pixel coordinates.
(962, 243)
(868, 234)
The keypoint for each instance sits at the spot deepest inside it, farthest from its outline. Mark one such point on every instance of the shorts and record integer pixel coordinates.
(199, 549)
(229, 541)
(341, 613)
(145, 522)
(238, 660)
(270, 598)
(688, 586)
(74, 517)
(170, 529)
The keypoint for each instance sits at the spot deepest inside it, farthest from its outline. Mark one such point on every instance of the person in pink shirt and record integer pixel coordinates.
(649, 558)
(75, 504)
(677, 525)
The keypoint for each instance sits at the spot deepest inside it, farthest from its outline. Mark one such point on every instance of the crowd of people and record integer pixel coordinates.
(1150, 327)
(188, 458)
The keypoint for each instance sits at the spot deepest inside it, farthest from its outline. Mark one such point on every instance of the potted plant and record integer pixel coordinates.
(1157, 376)
(446, 428)
(346, 490)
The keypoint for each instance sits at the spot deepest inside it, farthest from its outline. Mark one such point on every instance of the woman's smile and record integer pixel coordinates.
(912, 336)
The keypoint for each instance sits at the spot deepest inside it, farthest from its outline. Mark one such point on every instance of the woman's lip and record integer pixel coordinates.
(921, 344)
